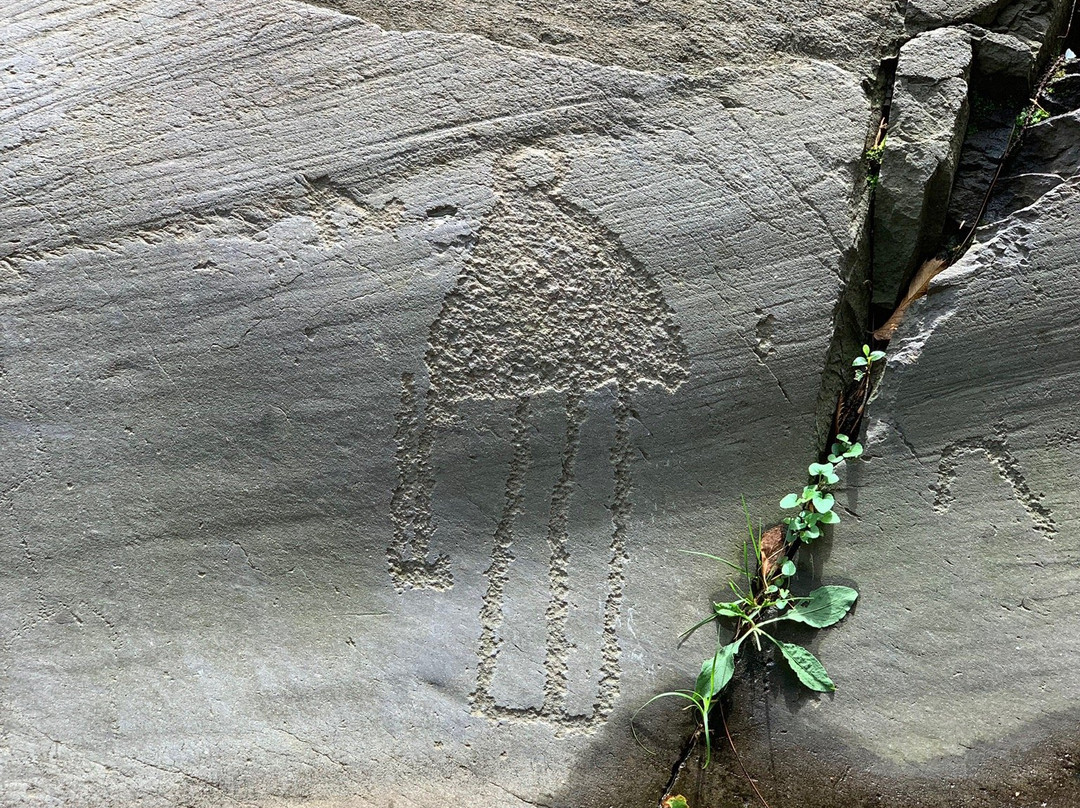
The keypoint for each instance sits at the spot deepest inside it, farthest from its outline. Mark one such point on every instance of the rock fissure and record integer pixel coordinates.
(932, 66)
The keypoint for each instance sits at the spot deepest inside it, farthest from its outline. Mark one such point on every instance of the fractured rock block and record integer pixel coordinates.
(926, 130)
(924, 15)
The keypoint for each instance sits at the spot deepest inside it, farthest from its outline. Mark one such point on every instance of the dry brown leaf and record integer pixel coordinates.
(916, 289)
(772, 548)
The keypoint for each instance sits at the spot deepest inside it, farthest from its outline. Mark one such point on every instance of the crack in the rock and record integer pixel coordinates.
(853, 325)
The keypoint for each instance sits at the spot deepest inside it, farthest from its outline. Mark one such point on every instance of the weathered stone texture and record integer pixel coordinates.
(685, 36)
(360, 388)
(926, 130)
(956, 674)
(362, 375)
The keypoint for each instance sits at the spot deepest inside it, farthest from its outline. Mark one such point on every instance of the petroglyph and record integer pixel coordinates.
(548, 301)
(997, 452)
(410, 505)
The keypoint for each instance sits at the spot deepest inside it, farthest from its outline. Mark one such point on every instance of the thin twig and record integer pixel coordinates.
(1068, 25)
(731, 741)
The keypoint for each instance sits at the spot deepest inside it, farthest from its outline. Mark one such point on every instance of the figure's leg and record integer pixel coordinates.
(608, 689)
(491, 613)
(557, 645)
(410, 505)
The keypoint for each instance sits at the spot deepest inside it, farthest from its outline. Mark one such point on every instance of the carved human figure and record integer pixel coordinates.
(549, 300)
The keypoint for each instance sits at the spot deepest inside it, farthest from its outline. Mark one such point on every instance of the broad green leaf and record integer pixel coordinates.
(859, 362)
(825, 606)
(817, 469)
(877, 356)
(790, 501)
(844, 439)
(716, 671)
(823, 503)
(807, 667)
(677, 801)
(854, 451)
(788, 568)
(830, 518)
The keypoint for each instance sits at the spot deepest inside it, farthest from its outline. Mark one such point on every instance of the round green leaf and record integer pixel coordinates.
(830, 518)
(788, 569)
(825, 606)
(823, 503)
(790, 501)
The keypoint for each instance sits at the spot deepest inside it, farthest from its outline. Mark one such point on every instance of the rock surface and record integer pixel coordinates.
(686, 36)
(362, 387)
(363, 374)
(927, 121)
(961, 534)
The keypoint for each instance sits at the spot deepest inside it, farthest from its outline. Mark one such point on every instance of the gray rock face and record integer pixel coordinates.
(1037, 23)
(956, 674)
(360, 388)
(685, 36)
(922, 15)
(926, 130)
(363, 374)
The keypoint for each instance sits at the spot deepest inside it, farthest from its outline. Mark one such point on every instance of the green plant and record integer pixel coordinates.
(874, 156)
(676, 801)
(815, 503)
(862, 364)
(1031, 115)
(762, 598)
(875, 153)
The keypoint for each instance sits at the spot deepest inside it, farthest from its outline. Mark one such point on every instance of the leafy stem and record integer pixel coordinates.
(764, 599)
